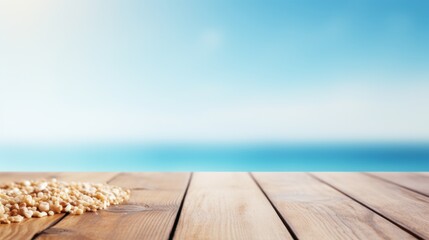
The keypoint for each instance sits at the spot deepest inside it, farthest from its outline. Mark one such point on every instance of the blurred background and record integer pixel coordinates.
(290, 85)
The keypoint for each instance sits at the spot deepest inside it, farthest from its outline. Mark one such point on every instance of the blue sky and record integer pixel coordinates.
(213, 70)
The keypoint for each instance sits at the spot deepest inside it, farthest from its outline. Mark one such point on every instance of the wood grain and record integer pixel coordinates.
(30, 227)
(415, 181)
(231, 206)
(316, 211)
(149, 214)
(228, 206)
(407, 208)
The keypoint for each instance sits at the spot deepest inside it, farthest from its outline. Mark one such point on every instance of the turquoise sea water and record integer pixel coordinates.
(198, 157)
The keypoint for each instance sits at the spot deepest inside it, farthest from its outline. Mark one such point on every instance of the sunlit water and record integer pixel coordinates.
(181, 157)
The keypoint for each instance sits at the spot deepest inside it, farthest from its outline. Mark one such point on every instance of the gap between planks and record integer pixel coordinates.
(179, 212)
(315, 210)
(150, 213)
(177, 218)
(53, 229)
(379, 211)
(287, 225)
(228, 205)
(415, 182)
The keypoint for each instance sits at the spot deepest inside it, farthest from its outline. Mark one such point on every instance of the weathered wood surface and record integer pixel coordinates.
(418, 182)
(149, 214)
(228, 206)
(237, 206)
(406, 208)
(316, 211)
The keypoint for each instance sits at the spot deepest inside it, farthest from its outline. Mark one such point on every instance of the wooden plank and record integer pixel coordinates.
(30, 227)
(316, 211)
(228, 206)
(149, 214)
(414, 181)
(406, 208)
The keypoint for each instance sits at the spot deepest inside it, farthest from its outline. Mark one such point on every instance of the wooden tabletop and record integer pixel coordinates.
(237, 205)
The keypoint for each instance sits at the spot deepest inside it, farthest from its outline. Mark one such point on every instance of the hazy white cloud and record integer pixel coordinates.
(340, 112)
(69, 71)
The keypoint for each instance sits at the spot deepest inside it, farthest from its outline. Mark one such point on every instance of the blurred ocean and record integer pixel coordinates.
(200, 157)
